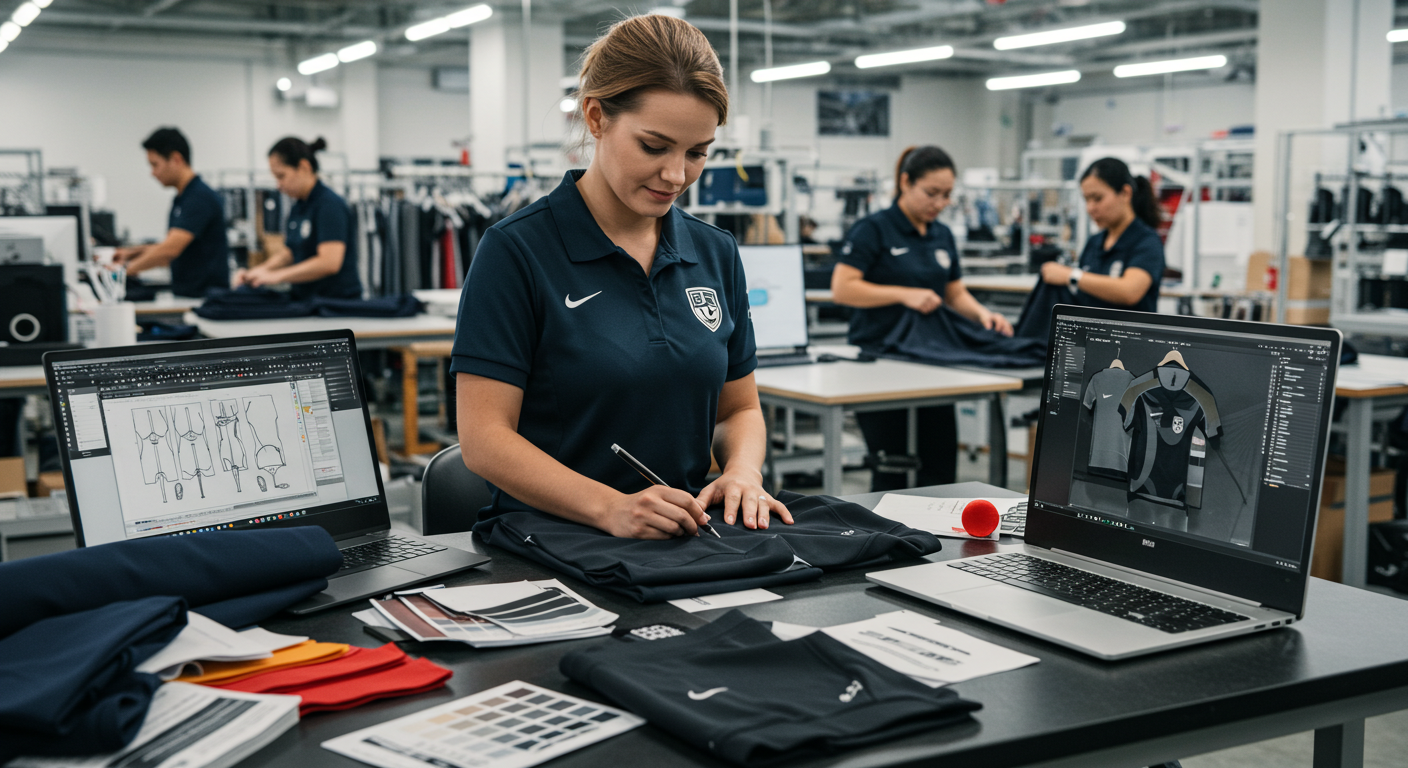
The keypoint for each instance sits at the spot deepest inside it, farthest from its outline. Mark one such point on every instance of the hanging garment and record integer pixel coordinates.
(1109, 442)
(1171, 416)
(944, 337)
(737, 692)
(829, 534)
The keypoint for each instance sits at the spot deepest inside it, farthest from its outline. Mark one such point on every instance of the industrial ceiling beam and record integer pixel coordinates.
(225, 25)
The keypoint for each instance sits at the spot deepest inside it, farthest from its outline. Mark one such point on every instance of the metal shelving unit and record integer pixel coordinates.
(21, 182)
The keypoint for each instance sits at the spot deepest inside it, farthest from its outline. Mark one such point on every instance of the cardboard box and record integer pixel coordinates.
(12, 479)
(1327, 560)
(49, 483)
(1306, 278)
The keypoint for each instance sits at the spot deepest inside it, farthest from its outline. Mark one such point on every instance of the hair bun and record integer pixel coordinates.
(319, 144)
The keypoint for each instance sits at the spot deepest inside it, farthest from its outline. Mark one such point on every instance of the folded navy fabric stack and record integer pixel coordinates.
(944, 337)
(264, 304)
(76, 624)
(829, 534)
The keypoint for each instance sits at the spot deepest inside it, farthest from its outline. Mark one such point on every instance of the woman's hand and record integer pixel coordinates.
(922, 300)
(258, 277)
(995, 321)
(658, 512)
(1055, 274)
(741, 491)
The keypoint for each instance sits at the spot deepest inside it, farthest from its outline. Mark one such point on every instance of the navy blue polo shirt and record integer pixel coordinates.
(205, 263)
(888, 250)
(604, 353)
(323, 217)
(1138, 246)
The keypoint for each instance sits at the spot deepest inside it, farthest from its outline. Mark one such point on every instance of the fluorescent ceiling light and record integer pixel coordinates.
(318, 64)
(283, 84)
(42, 3)
(1058, 36)
(9, 31)
(1171, 65)
(24, 14)
(427, 29)
(1033, 81)
(3, 46)
(357, 51)
(1398, 35)
(568, 104)
(904, 57)
(810, 69)
(470, 15)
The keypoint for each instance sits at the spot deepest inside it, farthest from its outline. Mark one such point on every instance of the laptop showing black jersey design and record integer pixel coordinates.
(777, 303)
(1174, 489)
(247, 433)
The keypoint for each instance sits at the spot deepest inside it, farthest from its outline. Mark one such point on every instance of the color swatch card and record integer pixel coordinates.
(497, 615)
(512, 726)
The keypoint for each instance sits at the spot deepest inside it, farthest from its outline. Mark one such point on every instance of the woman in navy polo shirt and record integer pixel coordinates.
(315, 258)
(1121, 266)
(899, 260)
(602, 314)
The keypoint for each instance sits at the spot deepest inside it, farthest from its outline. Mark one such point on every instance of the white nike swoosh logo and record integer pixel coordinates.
(898, 251)
(1105, 395)
(706, 694)
(579, 302)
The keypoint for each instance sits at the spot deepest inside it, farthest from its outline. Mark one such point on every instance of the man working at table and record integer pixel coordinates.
(195, 246)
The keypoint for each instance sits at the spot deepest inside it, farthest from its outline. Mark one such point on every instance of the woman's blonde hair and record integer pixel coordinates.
(651, 52)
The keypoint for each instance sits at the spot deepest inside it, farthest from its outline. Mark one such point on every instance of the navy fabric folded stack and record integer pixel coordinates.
(264, 304)
(76, 624)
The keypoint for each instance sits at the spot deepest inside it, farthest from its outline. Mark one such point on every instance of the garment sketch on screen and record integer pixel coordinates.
(1171, 417)
(263, 420)
(1109, 441)
(154, 450)
(229, 438)
(192, 444)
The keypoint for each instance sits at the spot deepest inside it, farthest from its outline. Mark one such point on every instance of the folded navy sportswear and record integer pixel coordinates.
(735, 690)
(68, 685)
(263, 304)
(263, 569)
(828, 534)
(944, 337)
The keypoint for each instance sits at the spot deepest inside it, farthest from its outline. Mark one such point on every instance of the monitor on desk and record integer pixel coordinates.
(777, 298)
(62, 237)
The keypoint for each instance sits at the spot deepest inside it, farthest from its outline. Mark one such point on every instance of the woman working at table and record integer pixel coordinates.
(603, 314)
(314, 256)
(900, 260)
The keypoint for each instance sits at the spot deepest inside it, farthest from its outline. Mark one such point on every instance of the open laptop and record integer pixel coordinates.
(777, 302)
(234, 434)
(1174, 488)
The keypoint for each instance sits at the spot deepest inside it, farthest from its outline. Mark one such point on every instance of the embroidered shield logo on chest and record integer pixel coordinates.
(1177, 425)
(941, 256)
(705, 304)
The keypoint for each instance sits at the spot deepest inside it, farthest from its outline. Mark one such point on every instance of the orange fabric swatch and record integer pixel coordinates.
(307, 652)
(355, 663)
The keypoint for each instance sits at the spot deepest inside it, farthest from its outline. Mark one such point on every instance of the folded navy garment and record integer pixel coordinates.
(944, 337)
(828, 534)
(1035, 320)
(736, 691)
(404, 305)
(68, 685)
(204, 568)
(240, 612)
(263, 304)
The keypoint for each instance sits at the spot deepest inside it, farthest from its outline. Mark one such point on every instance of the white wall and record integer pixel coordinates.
(416, 120)
(1147, 117)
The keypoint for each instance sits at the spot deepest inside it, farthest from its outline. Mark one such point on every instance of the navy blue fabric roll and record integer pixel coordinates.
(68, 685)
(241, 612)
(203, 568)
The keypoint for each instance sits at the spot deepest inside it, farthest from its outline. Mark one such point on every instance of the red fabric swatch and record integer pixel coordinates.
(414, 676)
(357, 661)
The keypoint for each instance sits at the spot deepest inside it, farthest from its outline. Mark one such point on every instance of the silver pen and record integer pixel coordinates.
(652, 477)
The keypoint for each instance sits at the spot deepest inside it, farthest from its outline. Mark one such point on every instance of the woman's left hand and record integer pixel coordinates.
(741, 491)
(995, 321)
(1055, 274)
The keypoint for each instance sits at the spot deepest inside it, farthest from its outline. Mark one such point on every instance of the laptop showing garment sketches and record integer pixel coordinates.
(1185, 512)
(777, 302)
(234, 434)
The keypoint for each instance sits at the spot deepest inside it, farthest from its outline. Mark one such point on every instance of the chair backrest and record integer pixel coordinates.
(450, 494)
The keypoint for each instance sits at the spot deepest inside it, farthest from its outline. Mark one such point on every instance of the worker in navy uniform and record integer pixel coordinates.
(899, 260)
(314, 258)
(196, 246)
(1121, 265)
(603, 314)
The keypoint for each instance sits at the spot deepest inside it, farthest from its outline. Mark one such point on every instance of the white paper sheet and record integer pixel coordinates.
(941, 517)
(204, 639)
(920, 647)
(725, 600)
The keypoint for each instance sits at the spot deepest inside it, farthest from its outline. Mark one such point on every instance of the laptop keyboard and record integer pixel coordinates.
(385, 551)
(1159, 610)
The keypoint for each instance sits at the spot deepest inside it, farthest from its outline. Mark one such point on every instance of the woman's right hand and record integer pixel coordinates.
(922, 300)
(658, 512)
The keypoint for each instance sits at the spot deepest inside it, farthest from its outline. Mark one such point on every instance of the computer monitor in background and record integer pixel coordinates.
(776, 295)
(62, 236)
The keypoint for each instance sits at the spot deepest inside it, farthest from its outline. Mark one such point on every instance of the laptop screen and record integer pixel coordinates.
(216, 435)
(777, 298)
(1197, 433)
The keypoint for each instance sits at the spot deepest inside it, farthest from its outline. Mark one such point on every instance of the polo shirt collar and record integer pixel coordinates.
(902, 221)
(586, 242)
(189, 186)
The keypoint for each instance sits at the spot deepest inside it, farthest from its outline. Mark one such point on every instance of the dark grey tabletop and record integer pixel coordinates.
(1351, 644)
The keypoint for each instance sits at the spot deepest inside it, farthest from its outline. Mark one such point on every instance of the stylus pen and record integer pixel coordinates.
(652, 477)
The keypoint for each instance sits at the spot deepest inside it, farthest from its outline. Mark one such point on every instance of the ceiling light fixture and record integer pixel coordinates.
(1171, 65)
(357, 51)
(810, 69)
(9, 31)
(24, 14)
(1053, 36)
(318, 64)
(904, 57)
(283, 84)
(427, 29)
(1033, 81)
(1398, 35)
(42, 3)
(3, 46)
(443, 24)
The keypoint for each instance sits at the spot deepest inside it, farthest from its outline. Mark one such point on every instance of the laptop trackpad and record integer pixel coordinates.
(374, 581)
(1006, 602)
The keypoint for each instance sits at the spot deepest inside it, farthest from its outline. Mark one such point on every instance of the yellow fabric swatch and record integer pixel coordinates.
(306, 652)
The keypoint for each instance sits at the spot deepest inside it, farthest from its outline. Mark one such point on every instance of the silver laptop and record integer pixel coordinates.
(1174, 489)
(777, 303)
(234, 434)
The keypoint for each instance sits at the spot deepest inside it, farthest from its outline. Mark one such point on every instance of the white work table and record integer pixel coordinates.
(1376, 388)
(371, 332)
(22, 380)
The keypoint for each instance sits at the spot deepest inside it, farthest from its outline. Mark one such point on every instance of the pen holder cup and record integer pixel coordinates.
(115, 325)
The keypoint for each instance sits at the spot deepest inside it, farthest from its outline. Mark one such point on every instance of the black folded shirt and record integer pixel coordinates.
(735, 690)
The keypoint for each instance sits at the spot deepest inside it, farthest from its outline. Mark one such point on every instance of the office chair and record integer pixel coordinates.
(450, 495)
